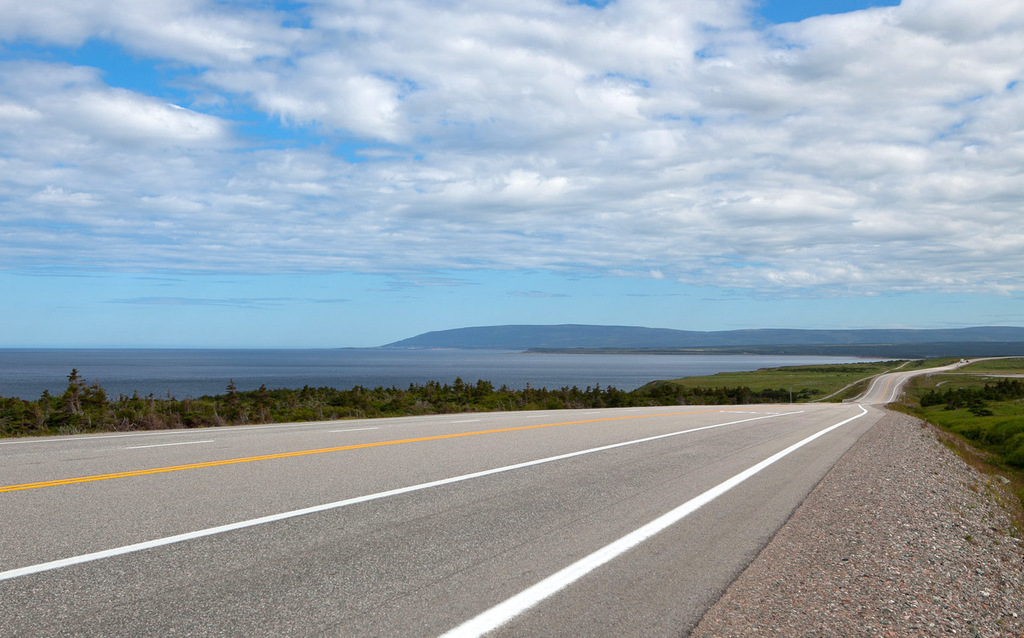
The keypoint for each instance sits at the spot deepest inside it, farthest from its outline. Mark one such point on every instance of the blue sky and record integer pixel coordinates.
(196, 173)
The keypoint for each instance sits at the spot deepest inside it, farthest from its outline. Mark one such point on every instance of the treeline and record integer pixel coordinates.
(974, 398)
(85, 407)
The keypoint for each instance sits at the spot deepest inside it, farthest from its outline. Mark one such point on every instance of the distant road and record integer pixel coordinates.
(886, 388)
(596, 523)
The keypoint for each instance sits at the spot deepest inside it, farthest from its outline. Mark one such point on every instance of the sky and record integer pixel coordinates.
(335, 173)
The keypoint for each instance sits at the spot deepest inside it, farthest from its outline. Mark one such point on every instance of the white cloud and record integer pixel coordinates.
(72, 104)
(172, 204)
(57, 196)
(192, 31)
(881, 148)
(962, 21)
(124, 116)
(11, 113)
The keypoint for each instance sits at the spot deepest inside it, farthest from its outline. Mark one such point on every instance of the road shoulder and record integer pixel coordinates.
(900, 538)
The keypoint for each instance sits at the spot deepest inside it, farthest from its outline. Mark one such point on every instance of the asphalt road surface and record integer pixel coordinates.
(886, 388)
(620, 522)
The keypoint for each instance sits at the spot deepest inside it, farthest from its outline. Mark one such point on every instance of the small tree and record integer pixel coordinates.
(231, 408)
(263, 404)
(73, 395)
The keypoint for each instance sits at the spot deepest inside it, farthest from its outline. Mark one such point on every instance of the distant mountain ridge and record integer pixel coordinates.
(566, 336)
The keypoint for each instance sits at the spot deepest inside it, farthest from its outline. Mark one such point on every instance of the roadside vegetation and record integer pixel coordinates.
(985, 412)
(978, 403)
(807, 383)
(981, 409)
(85, 407)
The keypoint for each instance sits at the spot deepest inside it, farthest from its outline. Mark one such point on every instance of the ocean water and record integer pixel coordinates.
(25, 373)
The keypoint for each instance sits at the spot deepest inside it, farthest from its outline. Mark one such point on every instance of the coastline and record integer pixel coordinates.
(25, 373)
(937, 350)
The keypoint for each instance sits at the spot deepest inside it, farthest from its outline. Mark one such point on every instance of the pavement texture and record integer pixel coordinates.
(901, 538)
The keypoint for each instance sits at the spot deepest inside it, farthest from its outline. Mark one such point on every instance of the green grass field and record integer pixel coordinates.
(988, 433)
(807, 382)
(997, 366)
(992, 424)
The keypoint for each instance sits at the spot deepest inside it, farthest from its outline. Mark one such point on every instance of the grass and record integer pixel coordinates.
(990, 439)
(990, 465)
(996, 426)
(997, 366)
(807, 382)
(921, 364)
(1000, 433)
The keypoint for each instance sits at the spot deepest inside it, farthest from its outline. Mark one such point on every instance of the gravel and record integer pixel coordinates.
(901, 538)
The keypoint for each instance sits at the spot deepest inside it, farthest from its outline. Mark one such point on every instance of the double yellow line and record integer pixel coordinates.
(285, 455)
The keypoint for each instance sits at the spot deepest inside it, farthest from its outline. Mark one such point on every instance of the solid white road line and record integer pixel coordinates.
(140, 447)
(352, 430)
(88, 437)
(500, 614)
(235, 429)
(220, 529)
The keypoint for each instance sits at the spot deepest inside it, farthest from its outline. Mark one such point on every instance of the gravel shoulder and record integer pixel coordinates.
(901, 538)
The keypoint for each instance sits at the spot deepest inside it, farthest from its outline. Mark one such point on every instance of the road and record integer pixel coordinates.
(886, 388)
(625, 522)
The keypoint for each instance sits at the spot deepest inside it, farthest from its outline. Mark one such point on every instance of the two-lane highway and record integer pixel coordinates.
(886, 388)
(607, 522)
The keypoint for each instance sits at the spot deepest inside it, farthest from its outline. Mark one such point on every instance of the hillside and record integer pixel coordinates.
(573, 336)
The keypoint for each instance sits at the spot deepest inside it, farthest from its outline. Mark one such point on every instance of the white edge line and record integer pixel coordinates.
(503, 612)
(85, 438)
(353, 430)
(90, 437)
(139, 447)
(220, 529)
(217, 429)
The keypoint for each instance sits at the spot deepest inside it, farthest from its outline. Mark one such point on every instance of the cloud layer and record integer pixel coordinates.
(880, 150)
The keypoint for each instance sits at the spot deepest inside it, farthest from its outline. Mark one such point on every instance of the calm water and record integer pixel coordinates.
(182, 373)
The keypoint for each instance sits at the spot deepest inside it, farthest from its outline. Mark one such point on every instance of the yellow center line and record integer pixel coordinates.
(888, 384)
(285, 455)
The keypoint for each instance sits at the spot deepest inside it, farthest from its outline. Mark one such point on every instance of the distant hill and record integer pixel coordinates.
(573, 336)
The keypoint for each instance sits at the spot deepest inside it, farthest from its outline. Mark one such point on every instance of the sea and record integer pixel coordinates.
(26, 373)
